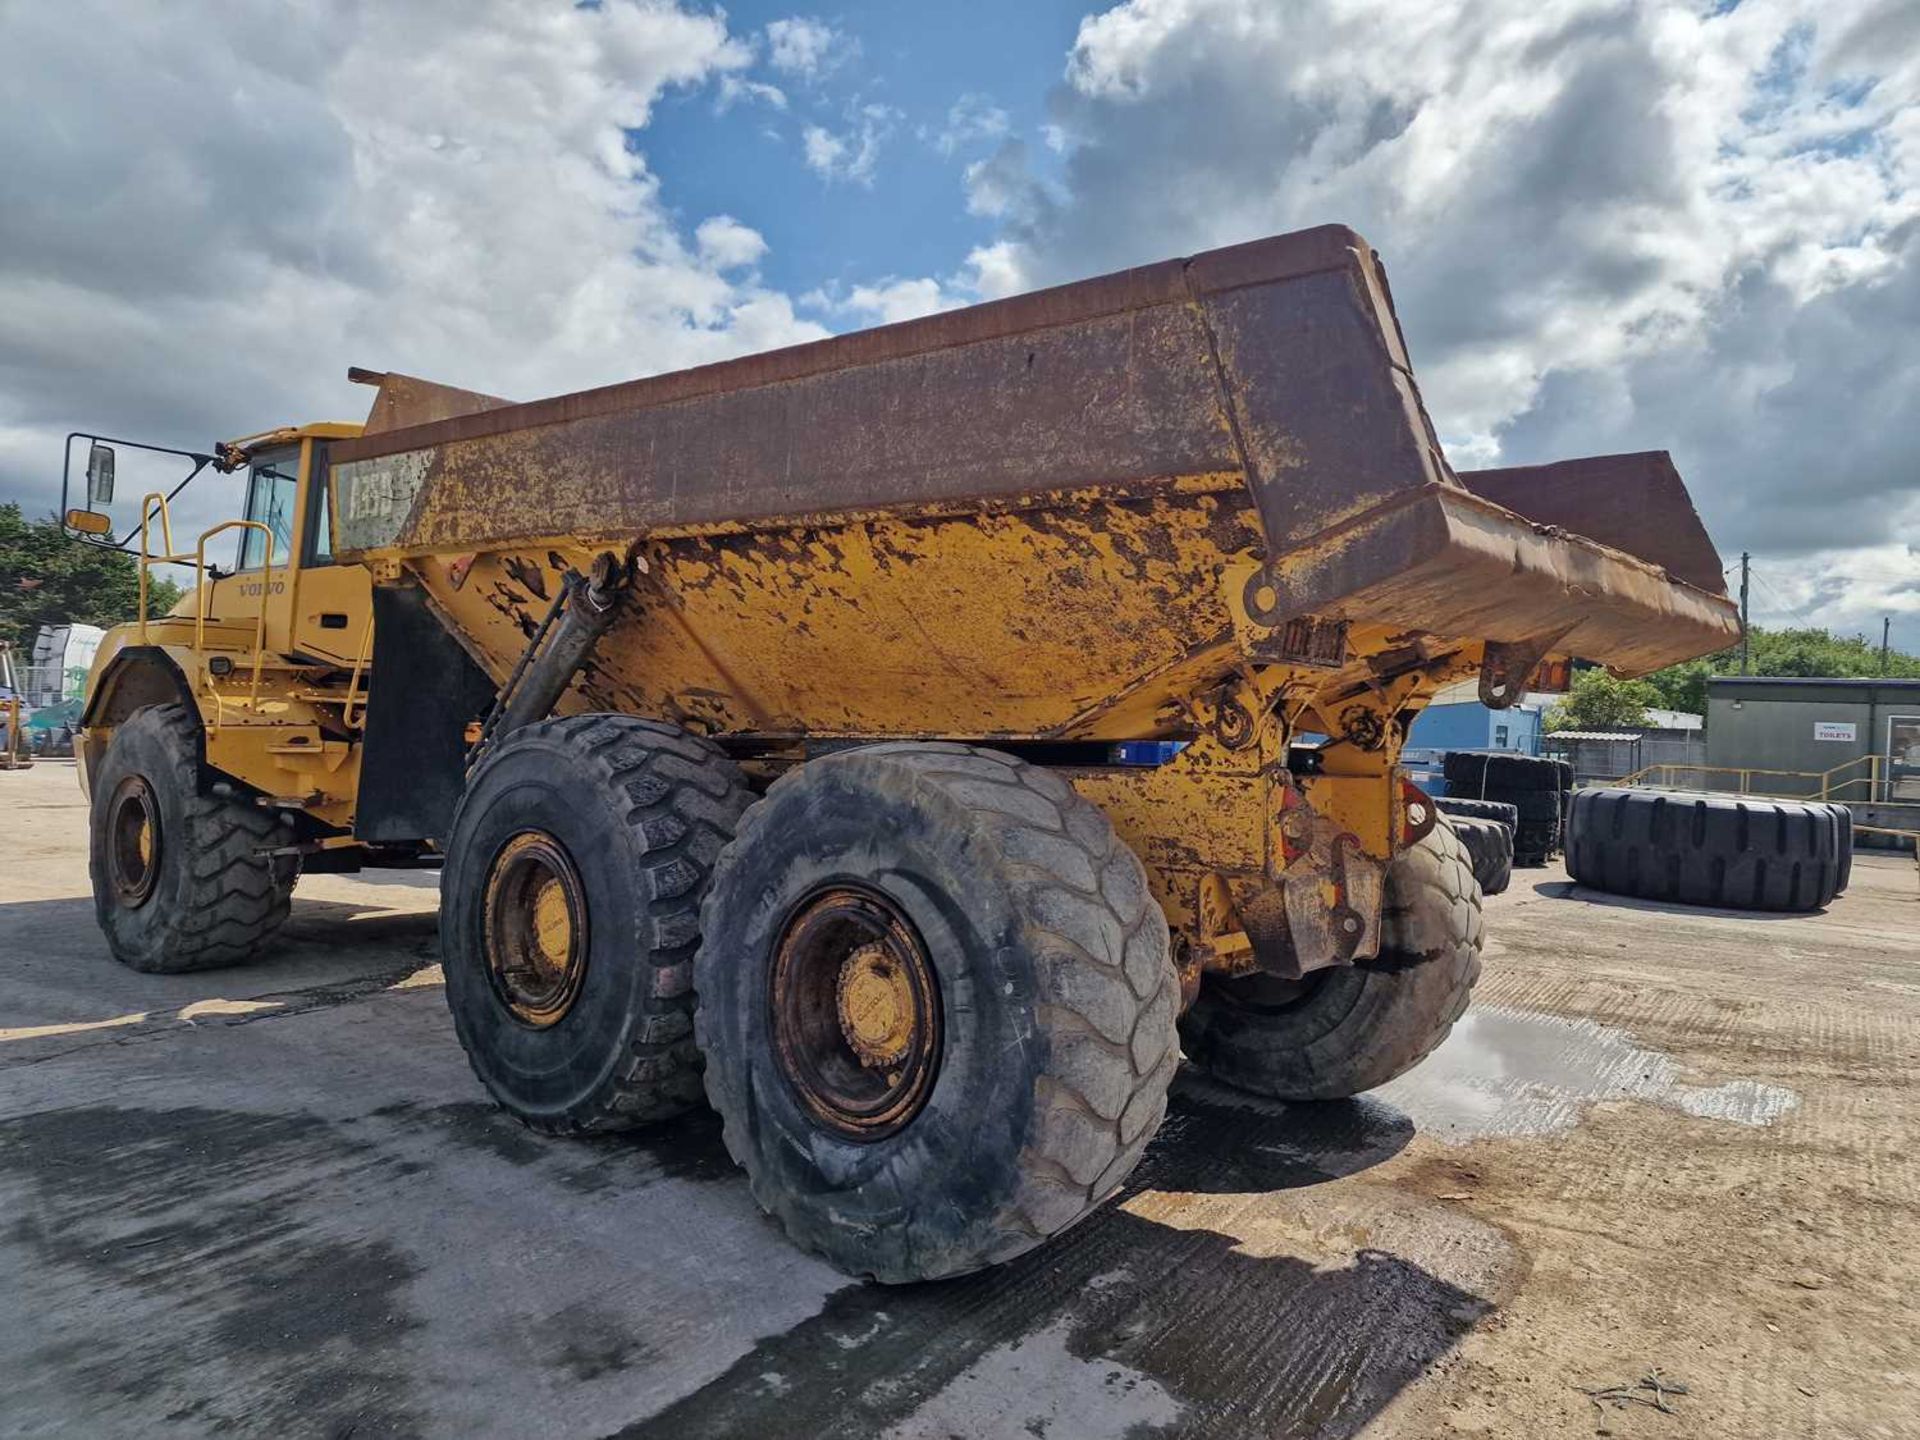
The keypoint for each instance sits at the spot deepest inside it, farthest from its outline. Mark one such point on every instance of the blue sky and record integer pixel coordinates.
(918, 59)
(1672, 224)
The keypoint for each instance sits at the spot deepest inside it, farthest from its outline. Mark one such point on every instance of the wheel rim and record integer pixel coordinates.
(856, 1012)
(536, 929)
(133, 841)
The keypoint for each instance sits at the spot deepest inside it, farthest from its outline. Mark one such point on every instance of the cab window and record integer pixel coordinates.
(273, 486)
(320, 516)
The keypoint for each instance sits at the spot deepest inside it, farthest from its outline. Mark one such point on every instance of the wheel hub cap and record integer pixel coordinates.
(876, 1006)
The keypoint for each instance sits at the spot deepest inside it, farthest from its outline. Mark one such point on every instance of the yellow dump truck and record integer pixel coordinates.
(767, 719)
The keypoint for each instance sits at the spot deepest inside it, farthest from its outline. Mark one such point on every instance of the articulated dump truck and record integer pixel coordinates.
(766, 720)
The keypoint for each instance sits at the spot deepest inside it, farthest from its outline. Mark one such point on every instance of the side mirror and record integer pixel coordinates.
(89, 522)
(99, 475)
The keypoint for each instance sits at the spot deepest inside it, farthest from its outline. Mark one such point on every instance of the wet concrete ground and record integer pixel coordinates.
(274, 1201)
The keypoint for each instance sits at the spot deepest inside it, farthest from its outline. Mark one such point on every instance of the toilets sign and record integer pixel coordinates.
(1844, 730)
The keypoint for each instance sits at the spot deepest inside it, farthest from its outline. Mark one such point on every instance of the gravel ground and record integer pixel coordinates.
(273, 1201)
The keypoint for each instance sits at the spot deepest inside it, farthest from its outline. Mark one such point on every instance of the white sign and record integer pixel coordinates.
(1834, 730)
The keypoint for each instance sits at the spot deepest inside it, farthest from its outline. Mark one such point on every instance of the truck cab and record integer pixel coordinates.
(269, 648)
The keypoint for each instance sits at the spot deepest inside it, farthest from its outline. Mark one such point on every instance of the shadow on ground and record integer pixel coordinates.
(1124, 1324)
(1573, 890)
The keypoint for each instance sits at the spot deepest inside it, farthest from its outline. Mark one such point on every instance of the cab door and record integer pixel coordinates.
(332, 604)
(262, 573)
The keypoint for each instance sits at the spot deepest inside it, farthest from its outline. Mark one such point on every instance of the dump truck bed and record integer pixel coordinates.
(1028, 517)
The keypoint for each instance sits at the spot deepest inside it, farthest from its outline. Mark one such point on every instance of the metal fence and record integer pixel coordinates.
(1601, 759)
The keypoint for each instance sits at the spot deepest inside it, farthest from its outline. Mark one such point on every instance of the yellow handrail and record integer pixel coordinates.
(155, 503)
(147, 557)
(1828, 789)
(353, 682)
(266, 592)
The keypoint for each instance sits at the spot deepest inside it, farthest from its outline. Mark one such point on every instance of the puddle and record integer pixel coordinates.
(1512, 1072)
(1037, 1386)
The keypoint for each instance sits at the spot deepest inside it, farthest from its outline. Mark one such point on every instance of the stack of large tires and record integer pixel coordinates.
(1720, 850)
(1536, 788)
(1486, 829)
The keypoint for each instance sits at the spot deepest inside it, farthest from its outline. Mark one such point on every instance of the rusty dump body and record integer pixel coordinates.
(1198, 500)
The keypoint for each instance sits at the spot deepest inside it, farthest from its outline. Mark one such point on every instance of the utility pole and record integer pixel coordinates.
(1886, 630)
(1744, 649)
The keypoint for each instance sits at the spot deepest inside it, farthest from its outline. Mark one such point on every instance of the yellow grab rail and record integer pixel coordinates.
(353, 683)
(266, 593)
(147, 557)
(201, 584)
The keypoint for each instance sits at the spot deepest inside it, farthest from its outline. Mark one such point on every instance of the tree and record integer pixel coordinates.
(1597, 701)
(1801, 652)
(49, 578)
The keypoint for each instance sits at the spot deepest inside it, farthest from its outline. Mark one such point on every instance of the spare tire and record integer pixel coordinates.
(1843, 844)
(1497, 810)
(1721, 850)
(1489, 845)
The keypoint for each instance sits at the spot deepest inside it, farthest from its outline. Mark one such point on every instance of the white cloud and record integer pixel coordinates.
(971, 118)
(888, 300)
(993, 271)
(246, 204)
(850, 154)
(1002, 186)
(807, 47)
(988, 273)
(1608, 226)
(727, 244)
(736, 89)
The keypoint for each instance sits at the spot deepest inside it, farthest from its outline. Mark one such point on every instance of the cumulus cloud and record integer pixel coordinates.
(1608, 226)
(247, 203)
(1003, 187)
(727, 244)
(804, 46)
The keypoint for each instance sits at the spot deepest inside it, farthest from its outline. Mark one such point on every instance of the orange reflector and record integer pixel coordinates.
(89, 522)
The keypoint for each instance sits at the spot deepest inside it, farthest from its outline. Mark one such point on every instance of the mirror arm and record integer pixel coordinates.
(200, 463)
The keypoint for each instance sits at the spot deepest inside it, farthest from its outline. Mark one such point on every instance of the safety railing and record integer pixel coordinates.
(1823, 784)
(202, 585)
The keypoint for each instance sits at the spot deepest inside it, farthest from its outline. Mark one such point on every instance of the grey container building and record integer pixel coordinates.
(1819, 727)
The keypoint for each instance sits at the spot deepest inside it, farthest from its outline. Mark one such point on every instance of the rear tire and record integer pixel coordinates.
(1030, 1062)
(1705, 849)
(178, 881)
(1351, 1028)
(570, 913)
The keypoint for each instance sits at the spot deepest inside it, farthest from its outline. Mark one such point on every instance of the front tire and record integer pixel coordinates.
(1348, 1029)
(179, 883)
(936, 1006)
(569, 917)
